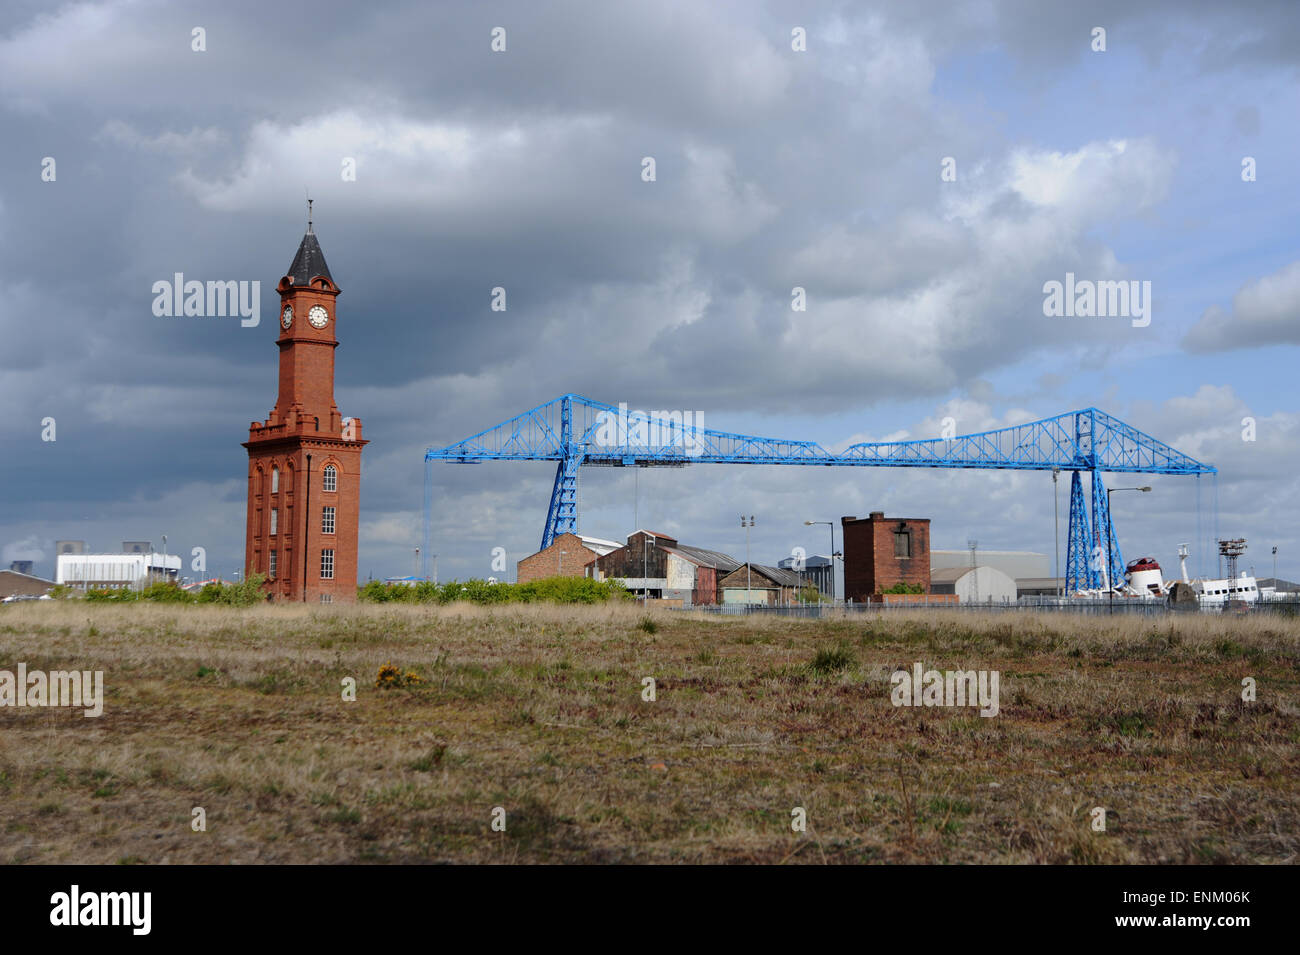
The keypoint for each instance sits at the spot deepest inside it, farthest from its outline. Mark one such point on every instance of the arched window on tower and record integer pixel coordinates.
(275, 480)
(331, 480)
(318, 424)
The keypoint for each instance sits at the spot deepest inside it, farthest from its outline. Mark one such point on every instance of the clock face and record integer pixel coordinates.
(318, 316)
(287, 318)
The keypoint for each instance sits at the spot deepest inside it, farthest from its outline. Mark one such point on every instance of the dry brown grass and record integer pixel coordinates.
(539, 710)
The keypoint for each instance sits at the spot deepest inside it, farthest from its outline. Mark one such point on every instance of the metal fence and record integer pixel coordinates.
(1080, 605)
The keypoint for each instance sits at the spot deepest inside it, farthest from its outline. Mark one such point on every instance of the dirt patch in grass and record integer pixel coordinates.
(540, 713)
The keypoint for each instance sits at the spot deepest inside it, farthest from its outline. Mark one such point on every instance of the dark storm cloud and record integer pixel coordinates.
(522, 170)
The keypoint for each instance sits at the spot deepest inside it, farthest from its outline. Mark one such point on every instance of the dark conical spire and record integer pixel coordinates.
(310, 260)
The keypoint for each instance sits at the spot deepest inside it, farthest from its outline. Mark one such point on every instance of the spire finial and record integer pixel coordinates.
(309, 201)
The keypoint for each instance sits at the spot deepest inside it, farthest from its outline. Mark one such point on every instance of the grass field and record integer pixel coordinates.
(539, 710)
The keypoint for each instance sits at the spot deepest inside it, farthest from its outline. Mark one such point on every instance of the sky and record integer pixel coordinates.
(144, 138)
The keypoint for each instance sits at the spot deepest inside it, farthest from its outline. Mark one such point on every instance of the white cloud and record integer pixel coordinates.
(1265, 311)
(196, 139)
(29, 548)
(933, 298)
(486, 179)
(1098, 181)
(68, 52)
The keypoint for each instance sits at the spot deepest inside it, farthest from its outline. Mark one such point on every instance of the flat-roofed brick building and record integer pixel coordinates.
(881, 552)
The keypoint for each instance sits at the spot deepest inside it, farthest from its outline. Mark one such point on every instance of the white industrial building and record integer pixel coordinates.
(815, 569)
(115, 571)
(981, 584)
(1014, 563)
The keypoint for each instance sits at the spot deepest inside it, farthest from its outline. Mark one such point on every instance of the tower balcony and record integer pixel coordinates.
(296, 425)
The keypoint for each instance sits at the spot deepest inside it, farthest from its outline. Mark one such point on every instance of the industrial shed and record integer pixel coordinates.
(658, 567)
(980, 584)
(759, 584)
(568, 556)
(14, 584)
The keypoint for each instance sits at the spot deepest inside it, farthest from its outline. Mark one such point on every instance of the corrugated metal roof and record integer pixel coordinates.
(705, 558)
(19, 573)
(785, 578)
(598, 544)
(812, 561)
(782, 578)
(1289, 586)
(948, 575)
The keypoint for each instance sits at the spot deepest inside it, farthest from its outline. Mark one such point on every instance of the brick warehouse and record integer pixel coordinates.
(880, 552)
(304, 462)
(776, 587)
(658, 567)
(16, 584)
(568, 556)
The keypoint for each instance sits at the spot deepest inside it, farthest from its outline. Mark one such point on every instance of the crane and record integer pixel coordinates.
(574, 431)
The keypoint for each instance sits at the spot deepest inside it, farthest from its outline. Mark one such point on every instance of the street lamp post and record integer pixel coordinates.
(973, 544)
(645, 581)
(1110, 541)
(749, 592)
(636, 522)
(831, 525)
(1056, 523)
(1275, 568)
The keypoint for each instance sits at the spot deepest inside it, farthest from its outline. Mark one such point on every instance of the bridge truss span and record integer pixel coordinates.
(574, 431)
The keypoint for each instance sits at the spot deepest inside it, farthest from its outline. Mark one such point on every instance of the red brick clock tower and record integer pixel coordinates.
(304, 462)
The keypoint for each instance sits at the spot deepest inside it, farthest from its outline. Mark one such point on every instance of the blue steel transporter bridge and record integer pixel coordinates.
(574, 431)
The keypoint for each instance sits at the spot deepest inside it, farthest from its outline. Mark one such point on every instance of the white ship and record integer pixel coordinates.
(1143, 578)
(1216, 592)
(1219, 592)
